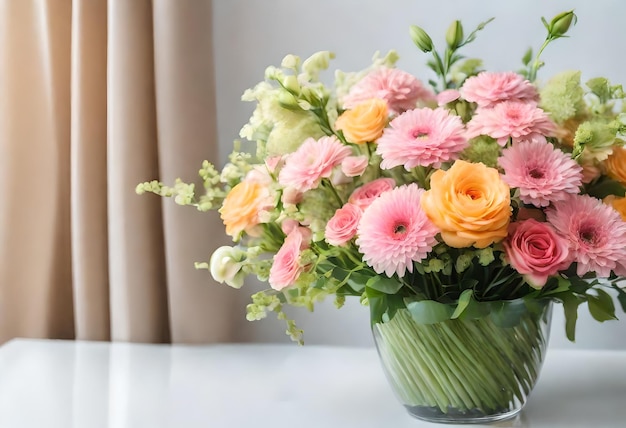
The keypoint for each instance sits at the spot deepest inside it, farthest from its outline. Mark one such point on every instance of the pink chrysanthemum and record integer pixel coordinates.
(515, 119)
(314, 160)
(421, 137)
(490, 88)
(394, 231)
(595, 231)
(398, 88)
(542, 172)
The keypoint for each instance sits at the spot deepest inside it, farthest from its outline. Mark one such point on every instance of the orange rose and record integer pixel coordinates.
(365, 122)
(241, 207)
(618, 204)
(616, 164)
(469, 203)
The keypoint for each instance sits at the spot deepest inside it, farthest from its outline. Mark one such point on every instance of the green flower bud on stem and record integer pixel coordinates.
(454, 35)
(561, 23)
(421, 39)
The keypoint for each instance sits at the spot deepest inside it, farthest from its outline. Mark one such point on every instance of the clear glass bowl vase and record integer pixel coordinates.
(466, 371)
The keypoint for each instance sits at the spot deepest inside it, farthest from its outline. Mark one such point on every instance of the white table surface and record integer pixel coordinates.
(64, 384)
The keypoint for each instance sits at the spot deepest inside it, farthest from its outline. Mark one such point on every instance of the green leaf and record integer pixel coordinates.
(384, 284)
(476, 310)
(562, 284)
(464, 300)
(579, 285)
(508, 313)
(383, 306)
(357, 281)
(527, 56)
(605, 188)
(394, 302)
(570, 309)
(621, 296)
(429, 311)
(377, 304)
(601, 306)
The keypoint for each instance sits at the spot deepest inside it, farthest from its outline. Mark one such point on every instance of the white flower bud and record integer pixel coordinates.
(226, 264)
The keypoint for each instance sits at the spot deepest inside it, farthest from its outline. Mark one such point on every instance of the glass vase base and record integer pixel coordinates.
(453, 416)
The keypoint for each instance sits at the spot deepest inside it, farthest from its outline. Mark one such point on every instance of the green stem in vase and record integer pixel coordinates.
(462, 366)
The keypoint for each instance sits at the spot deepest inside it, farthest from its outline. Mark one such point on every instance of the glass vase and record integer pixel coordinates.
(465, 371)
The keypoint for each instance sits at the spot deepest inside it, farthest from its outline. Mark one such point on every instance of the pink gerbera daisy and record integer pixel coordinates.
(515, 119)
(421, 137)
(490, 88)
(542, 172)
(314, 160)
(394, 232)
(595, 231)
(398, 88)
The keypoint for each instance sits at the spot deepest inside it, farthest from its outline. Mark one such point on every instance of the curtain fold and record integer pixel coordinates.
(95, 97)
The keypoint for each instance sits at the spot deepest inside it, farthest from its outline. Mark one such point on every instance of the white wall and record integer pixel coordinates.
(252, 34)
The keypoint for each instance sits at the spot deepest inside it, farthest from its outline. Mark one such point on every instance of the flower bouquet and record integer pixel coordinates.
(457, 210)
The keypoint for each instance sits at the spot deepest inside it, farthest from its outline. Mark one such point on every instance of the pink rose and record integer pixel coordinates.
(366, 194)
(341, 228)
(286, 267)
(536, 251)
(353, 166)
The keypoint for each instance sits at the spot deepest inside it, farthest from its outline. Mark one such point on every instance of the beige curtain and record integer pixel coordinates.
(95, 97)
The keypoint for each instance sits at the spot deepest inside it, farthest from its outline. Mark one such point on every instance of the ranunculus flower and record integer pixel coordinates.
(226, 264)
(616, 164)
(353, 166)
(366, 194)
(469, 203)
(342, 227)
(535, 250)
(242, 206)
(286, 266)
(365, 122)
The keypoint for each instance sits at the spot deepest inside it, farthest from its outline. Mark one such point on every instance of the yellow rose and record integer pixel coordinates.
(469, 203)
(365, 122)
(241, 207)
(618, 204)
(616, 164)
